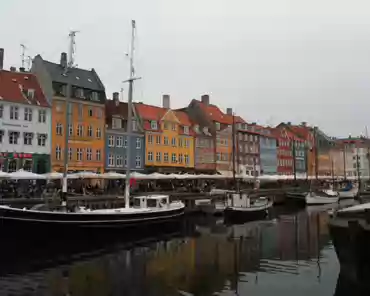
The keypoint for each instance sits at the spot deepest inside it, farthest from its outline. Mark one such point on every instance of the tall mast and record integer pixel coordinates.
(72, 35)
(233, 147)
(23, 55)
(368, 149)
(129, 114)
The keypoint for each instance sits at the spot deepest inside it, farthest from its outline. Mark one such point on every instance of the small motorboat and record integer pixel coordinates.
(320, 198)
(241, 208)
(146, 210)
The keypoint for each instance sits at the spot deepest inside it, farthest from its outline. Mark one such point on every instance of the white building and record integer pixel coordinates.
(25, 120)
(358, 147)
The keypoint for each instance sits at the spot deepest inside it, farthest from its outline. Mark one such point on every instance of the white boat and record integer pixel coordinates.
(313, 198)
(352, 193)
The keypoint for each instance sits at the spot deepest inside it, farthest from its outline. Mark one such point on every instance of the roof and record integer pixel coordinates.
(12, 83)
(149, 112)
(111, 108)
(183, 117)
(87, 79)
(217, 115)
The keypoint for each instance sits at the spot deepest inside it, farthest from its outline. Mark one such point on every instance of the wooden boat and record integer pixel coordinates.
(147, 210)
(320, 198)
(350, 233)
(241, 208)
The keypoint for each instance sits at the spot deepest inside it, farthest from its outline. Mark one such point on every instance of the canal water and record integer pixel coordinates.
(290, 254)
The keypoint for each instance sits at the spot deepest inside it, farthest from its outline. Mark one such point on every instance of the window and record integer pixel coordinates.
(89, 131)
(110, 141)
(58, 153)
(79, 154)
(153, 125)
(59, 129)
(186, 130)
(138, 161)
(70, 108)
(158, 156)
(27, 114)
(80, 130)
(186, 143)
(1, 136)
(166, 141)
(165, 157)
(119, 160)
(186, 159)
(41, 140)
(180, 142)
(110, 160)
(13, 112)
(218, 127)
(150, 139)
(27, 138)
(180, 158)
(98, 133)
(134, 125)
(119, 141)
(94, 96)
(125, 142)
(218, 156)
(42, 116)
(165, 125)
(90, 112)
(158, 140)
(13, 137)
(125, 161)
(138, 143)
(80, 111)
(70, 129)
(173, 158)
(173, 142)
(70, 155)
(88, 154)
(116, 123)
(99, 113)
(1, 111)
(30, 93)
(98, 155)
(150, 156)
(173, 126)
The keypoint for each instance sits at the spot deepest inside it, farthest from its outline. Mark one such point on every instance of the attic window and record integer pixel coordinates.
(26, 77)
(153, 125)
(78, 78)
(89, 80)
(30, 93)
(14, 80)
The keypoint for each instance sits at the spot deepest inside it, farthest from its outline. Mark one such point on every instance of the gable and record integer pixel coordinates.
(170, 116)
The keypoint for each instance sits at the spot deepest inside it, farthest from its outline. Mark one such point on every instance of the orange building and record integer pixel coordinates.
(86, 111)
(169, 138)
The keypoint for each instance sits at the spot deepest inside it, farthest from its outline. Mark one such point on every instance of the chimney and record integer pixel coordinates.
(116, 98)
(13, 69)
(304, 123)
(1, 58)
(22, 69)
(63, 59)
(166, 101)
(289, 123)
(205, 99)
(229, 111)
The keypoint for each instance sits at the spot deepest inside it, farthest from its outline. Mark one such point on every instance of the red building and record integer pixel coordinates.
(284, 151)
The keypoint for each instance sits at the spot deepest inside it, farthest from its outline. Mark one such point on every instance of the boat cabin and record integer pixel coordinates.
(152, 201)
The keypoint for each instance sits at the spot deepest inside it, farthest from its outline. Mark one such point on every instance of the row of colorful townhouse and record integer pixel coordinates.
(198, 137)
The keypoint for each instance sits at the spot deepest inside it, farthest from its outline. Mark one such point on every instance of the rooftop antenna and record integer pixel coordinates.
(23, 55)
(29, 62)
(121, 94)
(71, 49)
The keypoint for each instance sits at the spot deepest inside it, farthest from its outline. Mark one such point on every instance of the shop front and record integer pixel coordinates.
(32, 162)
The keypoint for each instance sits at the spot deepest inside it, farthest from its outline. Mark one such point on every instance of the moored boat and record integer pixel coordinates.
(147, 210)
(320, 198)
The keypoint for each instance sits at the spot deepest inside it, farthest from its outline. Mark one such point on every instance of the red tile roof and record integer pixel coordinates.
(11, 84)
(215, 114)
(183, 118)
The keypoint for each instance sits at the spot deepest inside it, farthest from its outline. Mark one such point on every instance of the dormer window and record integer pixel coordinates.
(218, 126)
(153, 125)
(196, 128)
(79, 93)
(134, 125)
(30, 93)
(94, 96)
(186, 130)
(116, 123)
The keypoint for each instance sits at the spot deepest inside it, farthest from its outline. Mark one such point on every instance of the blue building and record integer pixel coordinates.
(268, 153)
(116, 144)
(300, 151)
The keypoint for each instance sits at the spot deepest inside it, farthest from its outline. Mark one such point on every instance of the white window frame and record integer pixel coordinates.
(42, 116)
(27, 138)
(98, 155)
(41, 140)
(59, 129)
(138, 161)
(98, 133)
(150, 139)
(80, 130)
(110, 141)
(14, 113)
(166, 141)
(173, 158)
(173, 142)
(70, 153)
(165, 157)
(58, 153)
(79, 154)
(89, 154)
(119, 141)
(150, 156)
(153, 125)
(186, 130)
(13, 137)
(181, 158)
(89, 131)
(158, 140)
(111, 160)
(158, 157)
(28, 114)
(138, 143)
(119, 161)
(70, 130)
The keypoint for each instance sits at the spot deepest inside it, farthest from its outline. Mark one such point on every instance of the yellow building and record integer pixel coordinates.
(169, 139)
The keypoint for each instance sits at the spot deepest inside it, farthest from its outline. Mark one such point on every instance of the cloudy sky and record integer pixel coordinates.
(270, 60)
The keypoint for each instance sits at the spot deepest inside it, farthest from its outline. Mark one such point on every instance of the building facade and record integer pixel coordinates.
(85, 107)
(268, 153)
(284, 151)
(169, 138)
(116, 138)
(25, 119)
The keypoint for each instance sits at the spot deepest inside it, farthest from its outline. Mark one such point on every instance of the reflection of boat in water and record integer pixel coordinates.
(345, 287)
(350, 232)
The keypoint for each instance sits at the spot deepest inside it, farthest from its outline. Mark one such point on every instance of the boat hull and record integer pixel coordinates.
(236, 215)
(321, 200)
(351, 240)
(10, 217)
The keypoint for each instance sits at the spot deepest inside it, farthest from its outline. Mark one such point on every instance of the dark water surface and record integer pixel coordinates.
(288, 255)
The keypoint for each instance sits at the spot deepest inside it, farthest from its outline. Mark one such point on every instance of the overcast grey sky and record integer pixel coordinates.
(270, 60)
